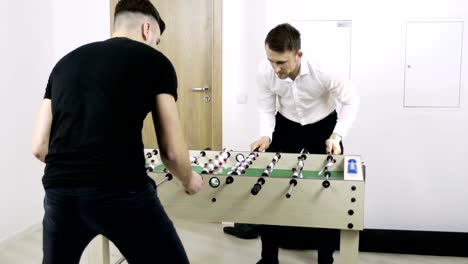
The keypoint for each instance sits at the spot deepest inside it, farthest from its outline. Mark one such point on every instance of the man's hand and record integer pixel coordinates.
(195, 183)
(333, 144)
(262, 144)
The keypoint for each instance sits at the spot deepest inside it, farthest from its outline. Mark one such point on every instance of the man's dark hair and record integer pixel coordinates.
(283, 37)
(140, 6)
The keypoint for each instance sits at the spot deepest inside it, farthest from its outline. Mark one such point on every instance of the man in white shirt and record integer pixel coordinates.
(306, 96)
(297, 105)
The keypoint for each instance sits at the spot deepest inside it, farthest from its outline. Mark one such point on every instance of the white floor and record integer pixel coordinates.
(205, 243)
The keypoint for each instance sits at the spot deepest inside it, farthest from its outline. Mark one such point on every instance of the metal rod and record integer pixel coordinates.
(200, 88)
(289, 193)
(167, 178)
(121, 260)
(162, 181)
(292, 184)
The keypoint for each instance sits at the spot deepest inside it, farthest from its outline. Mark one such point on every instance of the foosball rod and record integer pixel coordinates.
(168, 177)
(194, 159)
(120, 261)
(297, 172)
(329, 163)
(269, 168)
(292, 184)
(149, 155)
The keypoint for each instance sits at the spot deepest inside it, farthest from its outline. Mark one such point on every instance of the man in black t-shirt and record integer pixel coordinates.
(88, 132)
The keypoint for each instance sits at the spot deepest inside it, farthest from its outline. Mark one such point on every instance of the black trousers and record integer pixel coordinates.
(134, 221)
(292, 137)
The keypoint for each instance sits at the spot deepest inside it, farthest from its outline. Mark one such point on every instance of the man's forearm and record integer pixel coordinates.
(178, 164)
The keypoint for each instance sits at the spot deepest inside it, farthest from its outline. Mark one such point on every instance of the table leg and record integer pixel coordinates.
(99, 251)
(349, 247)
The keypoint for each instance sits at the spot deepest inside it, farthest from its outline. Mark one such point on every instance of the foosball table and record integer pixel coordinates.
(303, 190)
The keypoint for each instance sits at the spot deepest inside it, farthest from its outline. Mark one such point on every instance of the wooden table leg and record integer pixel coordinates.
(99, 251)
(349, 247)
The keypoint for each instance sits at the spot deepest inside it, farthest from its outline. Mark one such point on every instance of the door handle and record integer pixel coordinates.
(200, 89)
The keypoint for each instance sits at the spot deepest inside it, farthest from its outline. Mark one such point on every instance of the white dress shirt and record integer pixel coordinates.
(309, 98)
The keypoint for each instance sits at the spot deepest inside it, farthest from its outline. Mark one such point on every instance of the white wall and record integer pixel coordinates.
(79, 22)
(244, 29)
(416, 158)
(35, 35)
(26, 55)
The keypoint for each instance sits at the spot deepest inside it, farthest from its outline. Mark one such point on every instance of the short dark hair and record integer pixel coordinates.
(140, 6)
(283, 37)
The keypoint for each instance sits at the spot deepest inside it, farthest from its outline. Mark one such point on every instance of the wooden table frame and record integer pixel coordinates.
(340, 206)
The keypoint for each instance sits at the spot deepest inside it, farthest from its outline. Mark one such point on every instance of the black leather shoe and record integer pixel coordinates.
(244, 231)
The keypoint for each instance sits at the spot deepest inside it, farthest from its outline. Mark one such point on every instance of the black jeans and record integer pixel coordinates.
(134, 221)
(291, 137)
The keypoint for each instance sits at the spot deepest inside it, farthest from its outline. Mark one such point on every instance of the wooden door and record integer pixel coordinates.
(192, 41)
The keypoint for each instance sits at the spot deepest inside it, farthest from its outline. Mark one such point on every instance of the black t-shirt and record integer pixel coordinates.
(101, 93)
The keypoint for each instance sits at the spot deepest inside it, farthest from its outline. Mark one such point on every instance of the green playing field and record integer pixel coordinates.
(280, 173)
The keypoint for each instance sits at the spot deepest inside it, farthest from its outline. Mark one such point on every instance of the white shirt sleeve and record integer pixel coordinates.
(345, 94)
(266, 105)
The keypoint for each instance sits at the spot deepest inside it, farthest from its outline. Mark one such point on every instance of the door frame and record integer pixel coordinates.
(216, 70)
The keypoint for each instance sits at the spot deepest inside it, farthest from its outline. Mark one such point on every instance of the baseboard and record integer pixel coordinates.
(20, 234)
(391, 241)
(414, 242)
